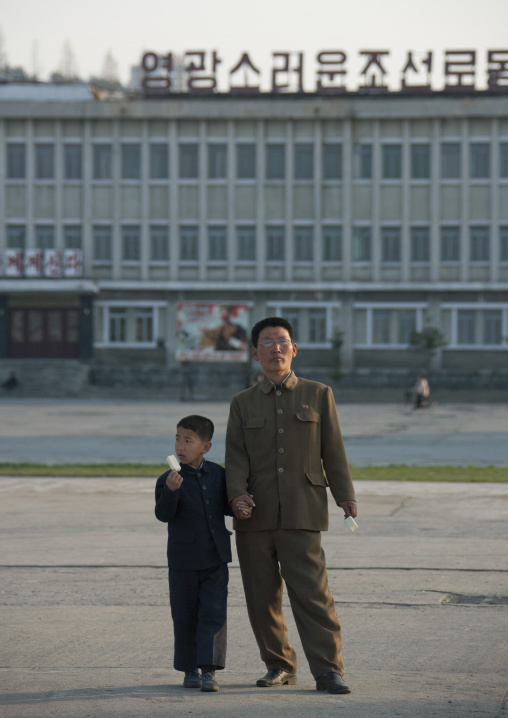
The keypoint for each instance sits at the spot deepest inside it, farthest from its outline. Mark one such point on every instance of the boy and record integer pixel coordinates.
(193, 502)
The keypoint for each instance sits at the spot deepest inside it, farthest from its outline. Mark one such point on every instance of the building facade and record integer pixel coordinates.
(354, 216)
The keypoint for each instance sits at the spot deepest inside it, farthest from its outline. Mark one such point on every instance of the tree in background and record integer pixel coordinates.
(109, 77)
(68, 68)
(428, 341)
(337, 342)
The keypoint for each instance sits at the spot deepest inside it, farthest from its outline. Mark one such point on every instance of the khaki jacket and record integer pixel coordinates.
(277, 444)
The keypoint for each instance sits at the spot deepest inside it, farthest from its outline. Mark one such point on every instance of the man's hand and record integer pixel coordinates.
(173, 480)
(349, 508)
(242, 506)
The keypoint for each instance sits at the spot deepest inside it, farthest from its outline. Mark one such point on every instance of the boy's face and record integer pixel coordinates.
(189, 447)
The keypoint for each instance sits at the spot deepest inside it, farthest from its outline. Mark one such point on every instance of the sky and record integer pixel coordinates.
(34, 33)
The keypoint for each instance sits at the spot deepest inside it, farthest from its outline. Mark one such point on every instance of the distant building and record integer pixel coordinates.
(372, 215)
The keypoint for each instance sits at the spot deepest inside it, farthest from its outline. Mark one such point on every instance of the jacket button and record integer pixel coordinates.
(281, 470)
(204, 488)
(207, 502)
(279, 411)
(279, 393)
(281, 451)
(281, 431)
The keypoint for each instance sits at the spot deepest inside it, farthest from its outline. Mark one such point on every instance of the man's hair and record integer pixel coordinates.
(269, 322)
(200, 425)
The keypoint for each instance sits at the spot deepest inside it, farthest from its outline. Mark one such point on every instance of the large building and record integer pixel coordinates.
(364, 216)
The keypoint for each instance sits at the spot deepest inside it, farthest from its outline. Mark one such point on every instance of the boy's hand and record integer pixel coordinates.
(173, 480)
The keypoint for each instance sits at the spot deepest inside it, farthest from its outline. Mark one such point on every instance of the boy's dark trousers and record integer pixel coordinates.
(198, 607)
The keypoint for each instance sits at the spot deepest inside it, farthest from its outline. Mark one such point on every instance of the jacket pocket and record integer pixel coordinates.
(255, 423)
(316, 478)
(308, 415)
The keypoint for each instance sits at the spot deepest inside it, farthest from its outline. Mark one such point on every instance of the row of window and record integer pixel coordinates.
(374, 326)
(189, 160)
(451, 247)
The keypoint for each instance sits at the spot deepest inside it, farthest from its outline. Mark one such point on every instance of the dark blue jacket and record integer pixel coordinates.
(197, 534)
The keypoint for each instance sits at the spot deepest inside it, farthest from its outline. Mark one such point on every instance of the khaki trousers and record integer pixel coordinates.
(297, 557)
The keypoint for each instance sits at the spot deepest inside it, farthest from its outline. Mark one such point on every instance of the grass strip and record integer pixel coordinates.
(394, 472)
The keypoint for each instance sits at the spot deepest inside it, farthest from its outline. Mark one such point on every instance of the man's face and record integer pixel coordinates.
(275, 359)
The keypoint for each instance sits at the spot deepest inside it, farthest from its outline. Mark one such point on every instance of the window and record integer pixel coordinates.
(420, 162)
(217, 162)
(361, 244)
(317, 326)
(44, 236)
(381, 326)
(479, 160)
(16, 161)
(246, 244)
(503, 160)
(73, 169)
(159, 243)
(117, 325)
(275, 241)
(363, 161)
(102, 162)
(392, 162)
(390, 243)
(293, 317)
(332, 161)
(420, 244)
(44, 161)
(217, 249)
(275, 162)
(143, 324)
(102, 243)
(479, 244)
(492, 327)
(466, 326)
(130, 325)
(16, 236)
(131, 162)
(72, 236)
(303, 238)
(303, 162)
(503, 242)
(159, 161)
(189, 244)
(388, 326)
(332, 243)
(245, 161)
(406, 325)
(188, 161)
(450, 160)
(450, 244)
(131, 243)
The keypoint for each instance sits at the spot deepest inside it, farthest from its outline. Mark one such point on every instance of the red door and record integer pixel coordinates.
(48, 333)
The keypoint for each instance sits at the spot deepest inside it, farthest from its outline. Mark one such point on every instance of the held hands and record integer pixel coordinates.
(173, 480)
(349, 507)
(242, 506)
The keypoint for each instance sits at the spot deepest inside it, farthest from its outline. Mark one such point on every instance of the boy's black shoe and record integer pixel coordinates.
(192, 680)
(208, 682)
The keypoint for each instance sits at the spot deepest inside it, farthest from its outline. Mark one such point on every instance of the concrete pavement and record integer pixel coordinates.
(96, 431)
(421, 588)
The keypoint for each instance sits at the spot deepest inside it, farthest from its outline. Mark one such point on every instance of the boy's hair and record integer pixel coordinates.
(269, 322)
(200, 425)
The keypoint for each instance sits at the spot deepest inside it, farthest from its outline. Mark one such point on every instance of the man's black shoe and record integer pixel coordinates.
(276, 677)
(332, 683)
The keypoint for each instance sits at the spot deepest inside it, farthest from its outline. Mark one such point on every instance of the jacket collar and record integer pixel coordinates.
(289, 383)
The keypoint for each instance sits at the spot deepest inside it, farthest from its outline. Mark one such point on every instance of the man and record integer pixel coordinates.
(281, 433)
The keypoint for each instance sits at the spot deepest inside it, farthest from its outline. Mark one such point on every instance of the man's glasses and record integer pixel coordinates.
(268, 343)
